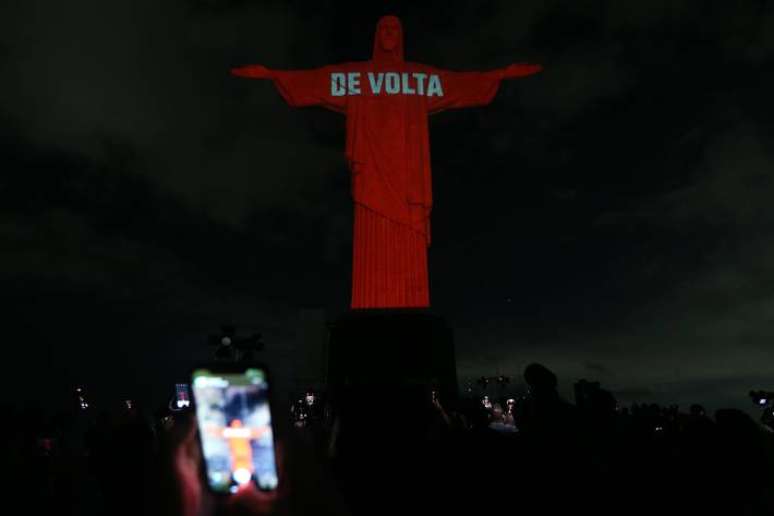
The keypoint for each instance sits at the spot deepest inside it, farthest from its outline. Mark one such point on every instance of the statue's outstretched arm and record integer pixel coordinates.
(299, 88)
(469, 89)
(517, 70)
(253, 72)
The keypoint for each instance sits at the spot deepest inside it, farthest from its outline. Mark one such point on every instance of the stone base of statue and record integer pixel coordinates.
(392, 350)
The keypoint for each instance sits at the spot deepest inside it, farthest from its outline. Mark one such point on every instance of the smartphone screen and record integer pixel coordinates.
(182, 399)
(235, 428)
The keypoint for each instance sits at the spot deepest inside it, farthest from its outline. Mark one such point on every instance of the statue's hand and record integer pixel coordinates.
(252, 71)
(520, 70)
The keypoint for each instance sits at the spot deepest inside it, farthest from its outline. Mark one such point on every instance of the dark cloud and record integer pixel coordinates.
(597, 370)
(156, 77)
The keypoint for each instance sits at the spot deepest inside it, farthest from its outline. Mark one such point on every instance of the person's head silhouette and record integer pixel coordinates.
(541, 380)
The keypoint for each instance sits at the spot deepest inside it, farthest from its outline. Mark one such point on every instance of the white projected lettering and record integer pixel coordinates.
(389, 83)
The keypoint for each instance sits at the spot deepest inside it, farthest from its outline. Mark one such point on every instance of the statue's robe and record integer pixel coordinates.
(387, 102)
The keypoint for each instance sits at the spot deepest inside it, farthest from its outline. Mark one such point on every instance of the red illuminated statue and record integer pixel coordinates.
(386, 102)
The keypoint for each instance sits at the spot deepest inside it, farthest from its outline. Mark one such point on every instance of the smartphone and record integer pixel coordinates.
(235, 427)
(182, 398)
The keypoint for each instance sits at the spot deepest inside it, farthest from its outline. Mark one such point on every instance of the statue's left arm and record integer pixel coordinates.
(471, 89)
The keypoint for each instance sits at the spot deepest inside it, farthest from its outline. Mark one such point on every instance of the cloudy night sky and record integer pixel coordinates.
(610, 217)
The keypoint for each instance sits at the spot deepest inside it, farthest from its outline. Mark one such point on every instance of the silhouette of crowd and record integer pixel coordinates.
(377, 452)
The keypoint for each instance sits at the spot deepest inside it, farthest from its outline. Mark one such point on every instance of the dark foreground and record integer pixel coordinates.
(408, 454)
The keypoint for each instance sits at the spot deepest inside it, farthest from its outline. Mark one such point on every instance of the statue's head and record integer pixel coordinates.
(388, 41)
(389, 33)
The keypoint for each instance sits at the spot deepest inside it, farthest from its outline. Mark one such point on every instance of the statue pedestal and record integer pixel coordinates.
(382, 365)
(391, 350)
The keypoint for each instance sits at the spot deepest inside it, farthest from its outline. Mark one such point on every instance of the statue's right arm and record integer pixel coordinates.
(300, 88)
(253, 72)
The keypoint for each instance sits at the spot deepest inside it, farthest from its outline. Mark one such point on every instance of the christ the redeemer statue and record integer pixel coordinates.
(386, 102)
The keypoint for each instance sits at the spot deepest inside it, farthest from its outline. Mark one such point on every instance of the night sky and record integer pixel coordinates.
(610, 217)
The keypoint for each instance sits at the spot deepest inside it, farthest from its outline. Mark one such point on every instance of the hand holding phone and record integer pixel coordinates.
(293, 458)
(235, 428)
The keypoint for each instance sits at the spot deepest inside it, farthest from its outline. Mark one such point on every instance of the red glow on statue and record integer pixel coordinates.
(387, 101)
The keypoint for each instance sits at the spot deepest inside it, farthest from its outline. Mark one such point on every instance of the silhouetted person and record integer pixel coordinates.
(741, 460)
(544, 413)
(552, 451)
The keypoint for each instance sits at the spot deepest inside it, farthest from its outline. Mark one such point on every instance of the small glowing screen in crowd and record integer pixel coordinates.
(235, 429)
(182, 398)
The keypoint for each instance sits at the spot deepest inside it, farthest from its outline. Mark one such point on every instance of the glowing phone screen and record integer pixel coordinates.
(235, 429)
